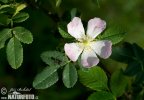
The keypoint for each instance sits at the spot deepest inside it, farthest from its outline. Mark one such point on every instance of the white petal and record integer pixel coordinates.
(89, 58)
(102, 48)
(73, 50)
(75, 28)
(95, 27)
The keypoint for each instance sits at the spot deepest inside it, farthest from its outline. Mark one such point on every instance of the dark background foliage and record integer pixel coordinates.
(44, 19)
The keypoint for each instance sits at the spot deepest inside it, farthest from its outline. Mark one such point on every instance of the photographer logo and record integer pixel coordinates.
(17, 94)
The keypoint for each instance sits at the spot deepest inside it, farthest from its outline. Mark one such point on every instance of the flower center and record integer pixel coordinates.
(86, 42)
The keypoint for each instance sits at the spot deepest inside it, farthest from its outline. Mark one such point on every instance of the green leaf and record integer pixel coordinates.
(139, 79)
(114, 34)
(95, 78)
(4, 35)
(20, 17)
(138, 52)
(102, 95)
(137, 65)
(48, 82)
(133, 68)
(69, 75)
(4, 1)
(46, 78)
(4, 20)
(63, 33)
(58, 2)
(8, 9)
(54, 58)
(132, 54)
(23, 35)
(123, 54)
(14, 53)
(19, 7)
(118, 83)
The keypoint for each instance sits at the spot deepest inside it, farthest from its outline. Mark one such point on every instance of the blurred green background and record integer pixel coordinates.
(43, 21)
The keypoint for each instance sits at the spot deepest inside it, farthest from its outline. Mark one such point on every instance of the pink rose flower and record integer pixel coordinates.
(86, 45)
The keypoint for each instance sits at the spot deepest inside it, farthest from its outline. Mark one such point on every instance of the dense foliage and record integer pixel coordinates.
(32, 38)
